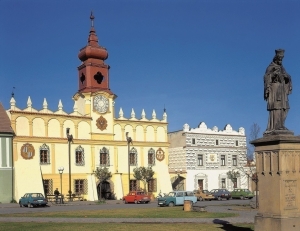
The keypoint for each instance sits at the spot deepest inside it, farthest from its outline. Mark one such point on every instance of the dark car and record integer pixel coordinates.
(33, 200)
(220, 194)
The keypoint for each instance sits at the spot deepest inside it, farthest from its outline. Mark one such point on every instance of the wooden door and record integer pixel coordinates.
(200, 184)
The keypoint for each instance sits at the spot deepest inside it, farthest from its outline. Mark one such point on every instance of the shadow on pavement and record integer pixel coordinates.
(229, 227)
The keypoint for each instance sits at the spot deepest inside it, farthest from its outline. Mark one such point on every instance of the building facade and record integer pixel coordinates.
(6, 161)
(208, 158)
(97, 139)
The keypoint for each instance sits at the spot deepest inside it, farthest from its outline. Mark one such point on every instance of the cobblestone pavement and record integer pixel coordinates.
(245, 216)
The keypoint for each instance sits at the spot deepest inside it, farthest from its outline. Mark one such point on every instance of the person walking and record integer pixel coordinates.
(56, 193)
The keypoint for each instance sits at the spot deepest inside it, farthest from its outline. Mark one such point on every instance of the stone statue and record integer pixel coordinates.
(277, 87)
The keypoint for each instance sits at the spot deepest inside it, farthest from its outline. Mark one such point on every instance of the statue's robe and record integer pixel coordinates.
(277, 87)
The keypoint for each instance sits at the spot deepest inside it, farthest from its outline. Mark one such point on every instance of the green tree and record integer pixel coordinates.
(143, 174)
(102, 174)
(233, 175)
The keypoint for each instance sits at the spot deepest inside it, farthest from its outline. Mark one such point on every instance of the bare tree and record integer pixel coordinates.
(254, 134)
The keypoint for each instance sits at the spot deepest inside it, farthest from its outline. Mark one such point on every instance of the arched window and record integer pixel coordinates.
(133, 157)
(104, 157)
(44, 154)
(151, 157)
(79, 156)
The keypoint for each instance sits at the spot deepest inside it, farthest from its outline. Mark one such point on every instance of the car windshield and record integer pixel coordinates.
(171, 194)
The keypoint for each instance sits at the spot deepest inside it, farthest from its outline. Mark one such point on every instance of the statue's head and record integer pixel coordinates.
(279, 54)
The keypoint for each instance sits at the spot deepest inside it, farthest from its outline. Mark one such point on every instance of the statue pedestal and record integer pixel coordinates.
(278, 171)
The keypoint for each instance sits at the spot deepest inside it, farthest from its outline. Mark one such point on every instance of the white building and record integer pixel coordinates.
(202, 157)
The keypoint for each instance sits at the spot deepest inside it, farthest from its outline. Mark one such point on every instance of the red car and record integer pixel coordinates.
(136, 197)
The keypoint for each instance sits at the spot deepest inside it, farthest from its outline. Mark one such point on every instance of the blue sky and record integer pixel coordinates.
(202, 60)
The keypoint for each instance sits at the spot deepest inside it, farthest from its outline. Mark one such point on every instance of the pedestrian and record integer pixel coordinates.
(56, 193)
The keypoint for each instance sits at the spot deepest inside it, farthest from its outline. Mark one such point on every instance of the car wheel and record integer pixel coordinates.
(171, 204)
(242, 198)
(135, 201)
(125, 202)
(29, 205)
(219, 198)
(147, 202)
(20, 204)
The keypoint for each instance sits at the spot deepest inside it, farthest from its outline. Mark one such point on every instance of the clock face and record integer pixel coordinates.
(101, 103)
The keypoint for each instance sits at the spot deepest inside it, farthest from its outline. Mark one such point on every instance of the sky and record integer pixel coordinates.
(201, 60)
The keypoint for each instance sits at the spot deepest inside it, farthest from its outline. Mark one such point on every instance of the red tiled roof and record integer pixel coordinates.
(4, 121)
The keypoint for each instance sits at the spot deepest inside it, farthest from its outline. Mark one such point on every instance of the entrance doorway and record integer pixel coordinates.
(200, 184)
(104, 192)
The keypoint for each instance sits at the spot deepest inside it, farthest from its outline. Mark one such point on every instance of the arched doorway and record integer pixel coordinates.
(177, 182)
(104, 192)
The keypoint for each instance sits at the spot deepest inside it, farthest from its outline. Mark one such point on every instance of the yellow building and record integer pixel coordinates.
(41, 145)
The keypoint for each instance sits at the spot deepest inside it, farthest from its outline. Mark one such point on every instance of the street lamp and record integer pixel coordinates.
(70, 139)
(61, 170)
(129, 140)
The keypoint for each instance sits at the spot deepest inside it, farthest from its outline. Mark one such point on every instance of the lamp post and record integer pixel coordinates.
(129, 140)
(61, 170)
(70, 139)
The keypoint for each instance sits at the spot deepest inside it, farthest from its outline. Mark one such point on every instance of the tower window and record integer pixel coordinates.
(193, 141)
(236, 143)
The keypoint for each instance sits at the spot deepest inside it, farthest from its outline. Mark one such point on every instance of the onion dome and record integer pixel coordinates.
(93, 49)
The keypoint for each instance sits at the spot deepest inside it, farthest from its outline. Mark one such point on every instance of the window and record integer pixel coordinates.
(104, 157)
(79, 156)
(151, 157)
(48, 186)
(152, 185)
(223, 183)
(134, 185)
(234, 180)
(44, 154)
(222, 160)
(133, 157)
(200, 160)
(236, 143)
(217, 142)
(193, 141)
(80, 186)
(234, 160)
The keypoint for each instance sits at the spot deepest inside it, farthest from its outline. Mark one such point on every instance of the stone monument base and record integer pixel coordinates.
(278, 173)
(265, 222)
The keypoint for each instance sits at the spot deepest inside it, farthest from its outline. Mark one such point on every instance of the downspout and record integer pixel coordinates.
(12, 169)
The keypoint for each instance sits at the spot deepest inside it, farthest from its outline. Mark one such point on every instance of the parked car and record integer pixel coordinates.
(242, 193)
(136, 197)
(220, 194)
(176, 198)
(33, 200)
(203, 195)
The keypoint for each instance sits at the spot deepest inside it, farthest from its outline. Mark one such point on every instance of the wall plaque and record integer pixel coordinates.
(290, 194)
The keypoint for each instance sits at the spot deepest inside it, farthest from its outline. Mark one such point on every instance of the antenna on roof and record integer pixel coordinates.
(12, 93)
(165, 109)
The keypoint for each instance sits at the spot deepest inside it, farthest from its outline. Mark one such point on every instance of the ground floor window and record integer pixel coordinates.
(152, 185)
(223, 183)
(48, 186)
(134, 185)
(80, 186)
